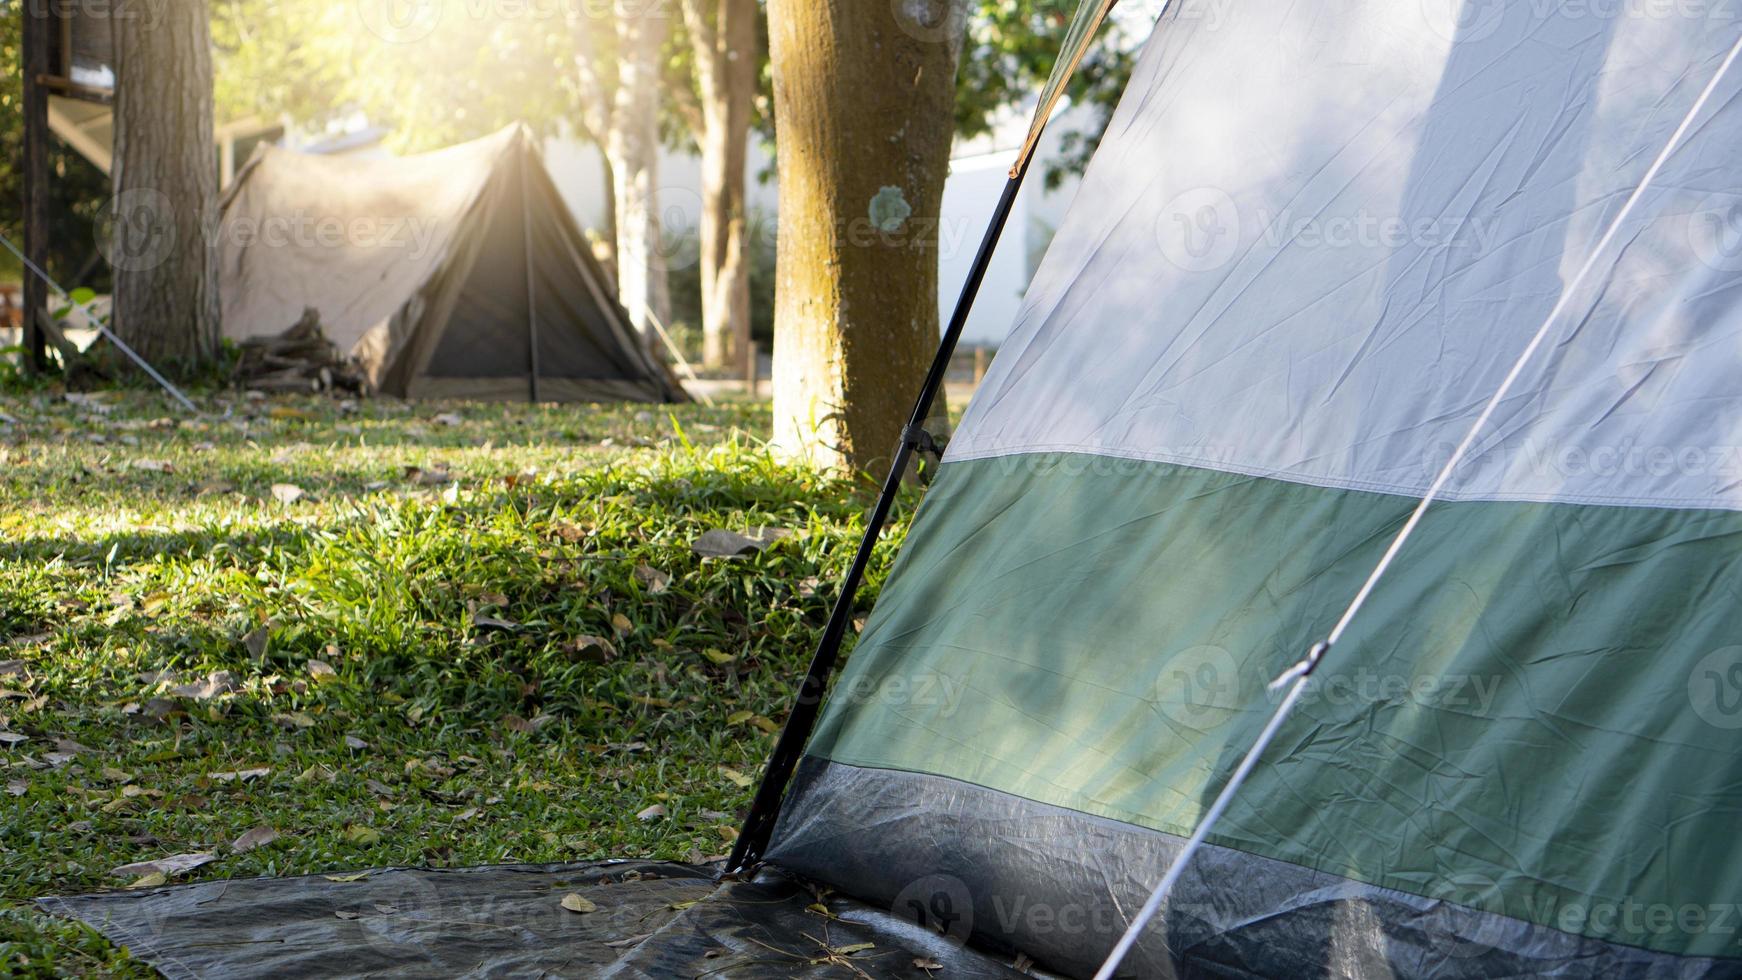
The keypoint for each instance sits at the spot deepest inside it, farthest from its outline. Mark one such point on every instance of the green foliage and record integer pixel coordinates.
(1011, 48)
(685, 278)
(452, 77)
(464, 719)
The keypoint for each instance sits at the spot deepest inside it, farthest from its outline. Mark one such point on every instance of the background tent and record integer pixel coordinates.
(453, 274)
(1314, 240)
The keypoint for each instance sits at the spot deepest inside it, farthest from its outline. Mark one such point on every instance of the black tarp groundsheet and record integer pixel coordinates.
(651, 919)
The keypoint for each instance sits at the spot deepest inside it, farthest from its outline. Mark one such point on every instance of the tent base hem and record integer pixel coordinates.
(1017, 873)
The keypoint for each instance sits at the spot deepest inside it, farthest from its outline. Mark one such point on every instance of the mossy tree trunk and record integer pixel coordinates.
(166, 186)
(863, 98)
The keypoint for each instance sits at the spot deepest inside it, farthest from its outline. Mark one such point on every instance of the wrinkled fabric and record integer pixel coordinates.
(453, 274)
(1061, 886)
(1317, 236)
(651, 919)
(1535, 699)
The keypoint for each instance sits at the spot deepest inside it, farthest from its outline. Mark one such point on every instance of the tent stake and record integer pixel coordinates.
(759, 824)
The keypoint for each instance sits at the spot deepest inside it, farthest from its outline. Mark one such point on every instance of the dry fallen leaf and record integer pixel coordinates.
(653, 812)
(13, 738)
(258, 837)
(240, 775)
(320, 671)
(435, 476)
(363, 835)
(720, 543)
(575, 903)
(592, 649)
(152, 880)
(652, 578)
(17, 787)
(286, 493)
(735, 777)
(927, 963)
(257, 642)
(347, 879)
(176, 864)
(215, 684)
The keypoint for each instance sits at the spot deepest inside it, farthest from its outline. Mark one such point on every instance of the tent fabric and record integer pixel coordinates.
(1312, 242)
(457, 273)
(651, 920)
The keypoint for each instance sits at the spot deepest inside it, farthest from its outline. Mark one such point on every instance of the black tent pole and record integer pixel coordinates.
(758, 826)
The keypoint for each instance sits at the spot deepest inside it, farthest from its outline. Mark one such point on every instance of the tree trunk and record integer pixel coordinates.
(863, 99)
(606, 252)
(725, 53)
(166, 186)
(632, 145)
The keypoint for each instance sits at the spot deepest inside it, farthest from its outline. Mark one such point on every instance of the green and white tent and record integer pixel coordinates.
(1312, 246)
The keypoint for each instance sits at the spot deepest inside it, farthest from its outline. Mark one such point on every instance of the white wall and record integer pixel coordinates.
(977, 177)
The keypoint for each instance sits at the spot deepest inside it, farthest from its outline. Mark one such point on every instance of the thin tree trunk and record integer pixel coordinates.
(632, 145)
(863, 97)
(166, 186)
(725, 54)
(606, 252)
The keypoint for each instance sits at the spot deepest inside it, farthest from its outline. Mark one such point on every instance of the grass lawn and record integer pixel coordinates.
(388, 633)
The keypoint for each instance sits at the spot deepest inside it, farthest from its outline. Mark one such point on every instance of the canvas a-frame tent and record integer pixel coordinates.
(1314, 242)
(453, 274)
